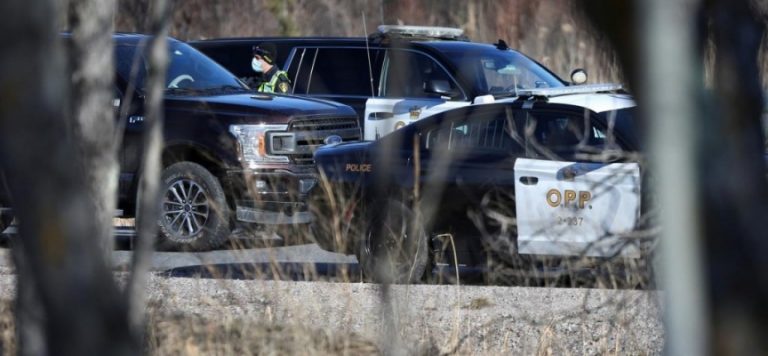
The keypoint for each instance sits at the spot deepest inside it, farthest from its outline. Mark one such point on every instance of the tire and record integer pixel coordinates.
(394, 245)
(198, 224)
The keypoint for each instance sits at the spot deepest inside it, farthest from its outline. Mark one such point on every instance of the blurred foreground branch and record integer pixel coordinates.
(61, 172)
(709, 161)
(149, 189)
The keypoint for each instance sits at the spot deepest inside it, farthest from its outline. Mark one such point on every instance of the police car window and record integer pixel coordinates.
(338, 71)
(497, 134)
(301, 73)
(497, 71)
(562, 133)
(409, 74)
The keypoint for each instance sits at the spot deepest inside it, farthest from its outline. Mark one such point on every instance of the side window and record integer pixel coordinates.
(498, 134)
(334, 71)
(301, 72)
(408, 74)
(561, 133)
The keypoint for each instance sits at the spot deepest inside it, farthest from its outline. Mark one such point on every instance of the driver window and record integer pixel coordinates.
(414, 75)
(489, 135)
(560, 133)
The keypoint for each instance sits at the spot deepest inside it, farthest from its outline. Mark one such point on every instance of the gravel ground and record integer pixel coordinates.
(427, 318)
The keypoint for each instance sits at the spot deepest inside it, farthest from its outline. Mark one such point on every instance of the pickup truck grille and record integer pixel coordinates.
(323, 124)
(311, 134)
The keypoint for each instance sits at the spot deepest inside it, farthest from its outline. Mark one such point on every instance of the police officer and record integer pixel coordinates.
(274, 80)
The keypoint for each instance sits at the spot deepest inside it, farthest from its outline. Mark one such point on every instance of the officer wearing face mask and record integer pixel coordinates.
(274, 80)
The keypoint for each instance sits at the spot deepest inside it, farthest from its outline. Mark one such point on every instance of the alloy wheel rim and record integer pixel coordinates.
(185, 209)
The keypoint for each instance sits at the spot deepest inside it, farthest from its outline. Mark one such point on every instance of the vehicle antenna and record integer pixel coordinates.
(368, 51)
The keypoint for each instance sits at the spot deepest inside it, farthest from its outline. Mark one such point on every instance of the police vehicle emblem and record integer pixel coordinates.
(332, 139)
(414, 112)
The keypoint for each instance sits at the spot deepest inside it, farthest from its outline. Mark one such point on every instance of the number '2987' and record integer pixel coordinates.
(569, 220)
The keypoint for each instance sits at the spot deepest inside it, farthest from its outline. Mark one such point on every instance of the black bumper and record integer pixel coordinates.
(271, 197)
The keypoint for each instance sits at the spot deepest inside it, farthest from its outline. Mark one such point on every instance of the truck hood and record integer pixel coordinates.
(250, 104)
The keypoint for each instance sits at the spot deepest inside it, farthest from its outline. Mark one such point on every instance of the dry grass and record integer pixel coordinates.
(174, 334)
(7, 329)
(213, 317)
(190, 334)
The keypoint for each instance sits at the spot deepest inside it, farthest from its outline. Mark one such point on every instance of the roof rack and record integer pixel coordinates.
(420, 32)
(573, 89)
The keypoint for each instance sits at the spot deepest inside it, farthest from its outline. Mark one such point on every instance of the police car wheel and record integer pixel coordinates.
(394, 246)
(194, 214)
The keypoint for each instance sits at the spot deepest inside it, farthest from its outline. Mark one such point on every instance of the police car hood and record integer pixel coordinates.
(333, 160)
(597, 102)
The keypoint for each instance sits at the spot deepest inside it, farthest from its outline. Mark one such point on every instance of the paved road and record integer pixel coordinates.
(288, 257)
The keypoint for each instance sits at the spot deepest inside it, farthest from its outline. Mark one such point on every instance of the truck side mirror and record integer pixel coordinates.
(441, 87)
(579, 76)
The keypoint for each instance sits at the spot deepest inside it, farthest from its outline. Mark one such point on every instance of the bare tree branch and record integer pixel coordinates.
(149, 195)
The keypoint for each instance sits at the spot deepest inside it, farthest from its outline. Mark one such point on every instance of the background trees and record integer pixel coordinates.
(552, 32)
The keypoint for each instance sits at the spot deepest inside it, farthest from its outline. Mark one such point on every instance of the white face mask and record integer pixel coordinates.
(256, 65)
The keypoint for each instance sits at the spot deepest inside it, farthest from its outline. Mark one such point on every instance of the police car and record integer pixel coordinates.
(550, 172)
(398, 74)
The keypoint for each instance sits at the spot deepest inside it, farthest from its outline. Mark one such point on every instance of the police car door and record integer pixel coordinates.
(567, 203)
(413, 86)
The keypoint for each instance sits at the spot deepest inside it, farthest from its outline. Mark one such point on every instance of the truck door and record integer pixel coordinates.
(568, 204)
(413, 86)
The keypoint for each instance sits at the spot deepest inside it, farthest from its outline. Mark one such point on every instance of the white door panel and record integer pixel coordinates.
(568, 208)
(383, 115)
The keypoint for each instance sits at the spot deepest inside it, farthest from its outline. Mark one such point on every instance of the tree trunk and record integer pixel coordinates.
(709, 162)
(49, 158)
(734, 197)
(671, 105)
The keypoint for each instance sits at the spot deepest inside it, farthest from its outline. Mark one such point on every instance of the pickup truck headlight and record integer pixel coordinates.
(263, 143)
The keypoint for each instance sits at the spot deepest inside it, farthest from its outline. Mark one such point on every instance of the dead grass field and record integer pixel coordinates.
(192, 316)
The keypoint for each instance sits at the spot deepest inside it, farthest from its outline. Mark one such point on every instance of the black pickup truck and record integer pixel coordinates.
(230, 154)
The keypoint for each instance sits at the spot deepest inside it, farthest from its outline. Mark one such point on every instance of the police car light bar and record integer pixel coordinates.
(423, 31)
(573, 89)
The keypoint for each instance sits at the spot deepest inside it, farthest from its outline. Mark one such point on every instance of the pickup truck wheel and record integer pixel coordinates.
(394, 245)
(194, 214)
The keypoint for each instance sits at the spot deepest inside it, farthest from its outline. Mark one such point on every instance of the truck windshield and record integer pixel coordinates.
(501, 72)
(188, 70)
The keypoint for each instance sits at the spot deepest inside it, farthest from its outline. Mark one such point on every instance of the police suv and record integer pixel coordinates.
(397, 75)
(552, 172)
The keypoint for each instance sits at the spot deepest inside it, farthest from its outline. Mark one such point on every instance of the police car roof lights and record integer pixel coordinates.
(573, 89)
(422, 31)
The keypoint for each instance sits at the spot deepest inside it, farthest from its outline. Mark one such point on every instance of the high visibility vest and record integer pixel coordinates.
(269, 87)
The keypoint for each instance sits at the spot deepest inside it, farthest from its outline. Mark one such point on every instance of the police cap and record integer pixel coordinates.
(265, 51)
